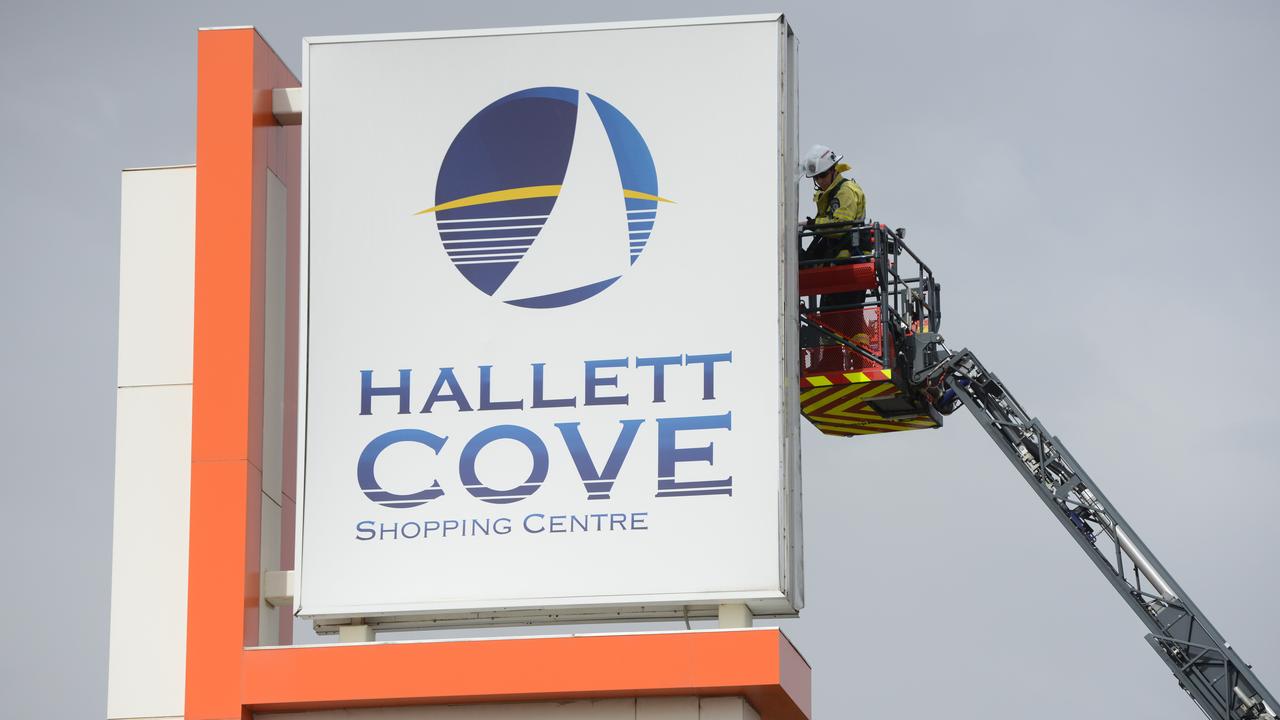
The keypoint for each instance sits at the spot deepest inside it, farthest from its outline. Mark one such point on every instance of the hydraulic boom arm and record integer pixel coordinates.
(1204, 664)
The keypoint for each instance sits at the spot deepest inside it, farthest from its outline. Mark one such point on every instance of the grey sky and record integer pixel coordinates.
(1094, 182)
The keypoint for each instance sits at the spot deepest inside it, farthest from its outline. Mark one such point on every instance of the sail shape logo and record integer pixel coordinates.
(546, 197)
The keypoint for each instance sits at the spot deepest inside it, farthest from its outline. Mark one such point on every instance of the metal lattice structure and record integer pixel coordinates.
(1205, 665)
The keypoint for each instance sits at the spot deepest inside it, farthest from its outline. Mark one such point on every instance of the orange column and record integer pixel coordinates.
(237, 142)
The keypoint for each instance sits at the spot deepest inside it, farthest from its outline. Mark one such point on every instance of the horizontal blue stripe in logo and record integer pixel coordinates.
(468, 244)
(532, 221)
(494, 260)
(487, 233)
(465, 254)
(641, 224)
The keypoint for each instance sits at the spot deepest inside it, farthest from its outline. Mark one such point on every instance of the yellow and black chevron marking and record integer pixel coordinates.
(842, 378)
(838, 403)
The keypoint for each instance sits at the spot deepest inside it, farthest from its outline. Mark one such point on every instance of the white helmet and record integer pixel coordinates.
(819, 159)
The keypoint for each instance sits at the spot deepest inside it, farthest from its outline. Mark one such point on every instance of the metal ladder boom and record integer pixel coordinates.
(1205, 665)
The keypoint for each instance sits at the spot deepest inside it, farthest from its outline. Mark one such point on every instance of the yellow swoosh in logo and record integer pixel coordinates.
(524, 193)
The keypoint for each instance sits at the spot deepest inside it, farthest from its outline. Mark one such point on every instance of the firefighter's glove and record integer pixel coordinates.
(808, 223)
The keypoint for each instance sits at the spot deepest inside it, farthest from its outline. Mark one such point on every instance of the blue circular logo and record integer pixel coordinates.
(545, 197)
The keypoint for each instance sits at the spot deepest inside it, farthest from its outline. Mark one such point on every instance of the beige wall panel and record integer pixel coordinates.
(147, 657)
(726, 708)
(157, 275)
(667, 708)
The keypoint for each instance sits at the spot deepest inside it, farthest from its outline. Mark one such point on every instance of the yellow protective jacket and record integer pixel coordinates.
(844, 201)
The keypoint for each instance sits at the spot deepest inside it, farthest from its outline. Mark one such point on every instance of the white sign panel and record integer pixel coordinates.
(548, 331)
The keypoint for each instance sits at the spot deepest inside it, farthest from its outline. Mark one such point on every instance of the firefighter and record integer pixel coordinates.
(839, 200)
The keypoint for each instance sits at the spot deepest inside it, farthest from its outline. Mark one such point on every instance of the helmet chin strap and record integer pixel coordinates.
(818, 187)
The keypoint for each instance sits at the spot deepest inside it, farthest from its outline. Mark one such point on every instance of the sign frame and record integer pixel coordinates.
(785, 603)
